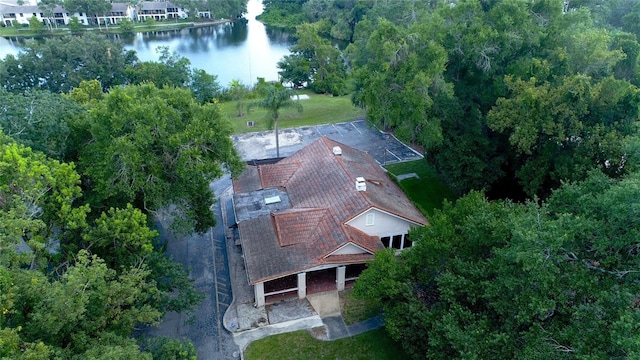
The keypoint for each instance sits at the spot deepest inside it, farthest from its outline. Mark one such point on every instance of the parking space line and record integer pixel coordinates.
(394, 155)
(354, 126)
(318, 131)
(334, 126)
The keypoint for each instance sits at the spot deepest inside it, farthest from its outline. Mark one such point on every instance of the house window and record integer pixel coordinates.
(386, 241)
(397, 242)
(370, 219)
(407, 243)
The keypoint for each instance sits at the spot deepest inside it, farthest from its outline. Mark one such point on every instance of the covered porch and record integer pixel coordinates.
(335, 277)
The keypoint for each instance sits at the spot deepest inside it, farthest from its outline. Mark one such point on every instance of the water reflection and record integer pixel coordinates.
(242, 50)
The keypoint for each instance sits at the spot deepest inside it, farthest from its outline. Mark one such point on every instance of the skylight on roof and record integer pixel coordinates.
(272, 200)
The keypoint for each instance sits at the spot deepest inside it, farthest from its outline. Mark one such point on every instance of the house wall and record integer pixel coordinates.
(349, 249)
(22, 17)
(384, 224)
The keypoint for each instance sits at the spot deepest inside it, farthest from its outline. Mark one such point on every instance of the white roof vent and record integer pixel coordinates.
(360, 184)
(272, 200)
(337, 150)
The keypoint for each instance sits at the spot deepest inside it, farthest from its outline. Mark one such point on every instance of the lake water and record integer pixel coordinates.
(241, 50)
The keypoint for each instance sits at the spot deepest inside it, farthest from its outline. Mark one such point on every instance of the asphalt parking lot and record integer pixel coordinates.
(384, 147)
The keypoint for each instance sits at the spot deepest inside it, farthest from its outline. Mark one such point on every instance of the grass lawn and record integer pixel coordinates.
(300, 345)
(318, 109)
(355, 310)
(428, 191)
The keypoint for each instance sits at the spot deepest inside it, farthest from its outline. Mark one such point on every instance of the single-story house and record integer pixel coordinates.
(315, 218)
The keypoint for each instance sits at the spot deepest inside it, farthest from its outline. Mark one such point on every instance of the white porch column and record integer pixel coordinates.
(302, 285)
(340, 275)
(258, 289)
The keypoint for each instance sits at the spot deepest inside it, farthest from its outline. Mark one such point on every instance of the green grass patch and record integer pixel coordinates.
(318, 109)
(356, 310)
(300, 345)
(427, 191)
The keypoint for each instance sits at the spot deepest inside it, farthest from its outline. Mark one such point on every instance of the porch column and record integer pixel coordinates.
(302, 285)
(258, 289)
(340, 274)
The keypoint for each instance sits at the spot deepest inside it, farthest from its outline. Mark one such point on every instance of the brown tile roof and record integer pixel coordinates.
(297, 226)
(248, 181)
(277, 174)
(322, 197)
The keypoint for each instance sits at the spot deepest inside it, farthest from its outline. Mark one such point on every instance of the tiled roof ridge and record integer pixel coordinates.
(306, 233)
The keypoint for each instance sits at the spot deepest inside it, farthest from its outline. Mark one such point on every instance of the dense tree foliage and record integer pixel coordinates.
(504, 281)
(559, 132)
(441, 73)
(155, 148)
(80, 267)
(226, 9)
(73, 287)
(314, 61)
(36, 119)
(282, 13)
(171, 70)
(60, 64)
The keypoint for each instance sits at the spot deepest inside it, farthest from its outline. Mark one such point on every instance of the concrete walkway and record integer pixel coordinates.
(337, 329)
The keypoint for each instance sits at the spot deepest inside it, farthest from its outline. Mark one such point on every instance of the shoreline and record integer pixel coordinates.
(113, 29)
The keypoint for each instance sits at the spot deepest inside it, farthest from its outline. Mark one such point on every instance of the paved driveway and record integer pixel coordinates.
(205, 256)
(385, 148)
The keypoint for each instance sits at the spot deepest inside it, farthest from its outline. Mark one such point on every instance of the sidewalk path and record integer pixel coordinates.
(337, 329)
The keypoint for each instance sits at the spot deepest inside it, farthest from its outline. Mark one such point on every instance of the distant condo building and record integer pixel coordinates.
(20, 15)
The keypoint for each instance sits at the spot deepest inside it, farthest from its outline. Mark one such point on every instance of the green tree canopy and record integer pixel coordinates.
(158, 149)
(171, 70)
(60, 64)
(38, 119)
(58, 298)
(499, 280)
(560, 132)
(400, 77)
(36, 202)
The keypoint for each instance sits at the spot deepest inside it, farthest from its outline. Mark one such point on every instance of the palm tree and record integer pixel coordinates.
(276, 97)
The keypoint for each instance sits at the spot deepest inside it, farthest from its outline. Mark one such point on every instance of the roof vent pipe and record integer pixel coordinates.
(360, 184)
(337, 150)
